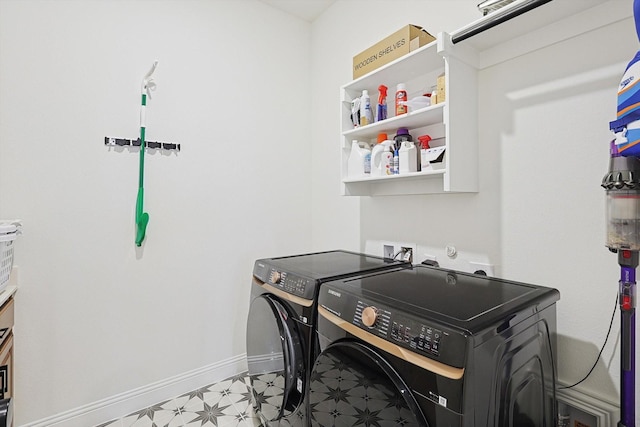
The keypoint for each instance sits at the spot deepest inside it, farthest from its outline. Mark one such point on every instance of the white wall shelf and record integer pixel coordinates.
(455, 121)
(452, 123)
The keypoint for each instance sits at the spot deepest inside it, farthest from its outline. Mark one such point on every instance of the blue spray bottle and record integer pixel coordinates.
(381, 112)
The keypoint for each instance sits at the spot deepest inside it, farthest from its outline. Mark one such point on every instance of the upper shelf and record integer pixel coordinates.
(423, 117)
(405, 68)
(547, 24)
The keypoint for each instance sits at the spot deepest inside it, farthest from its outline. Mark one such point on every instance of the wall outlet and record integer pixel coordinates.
(482, 268)
(406, 254)
(399, 251)
(388, 251)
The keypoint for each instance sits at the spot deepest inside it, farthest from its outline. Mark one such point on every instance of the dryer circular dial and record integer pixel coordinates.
(369, 316)
(276, 277)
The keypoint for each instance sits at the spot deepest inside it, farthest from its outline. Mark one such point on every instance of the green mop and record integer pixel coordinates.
(142, 218)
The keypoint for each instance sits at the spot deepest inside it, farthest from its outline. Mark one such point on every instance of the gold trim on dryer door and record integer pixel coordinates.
(284, 295)
(411, 357)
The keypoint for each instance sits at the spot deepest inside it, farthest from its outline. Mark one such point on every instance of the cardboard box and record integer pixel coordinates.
(393, 47)
(440, 89)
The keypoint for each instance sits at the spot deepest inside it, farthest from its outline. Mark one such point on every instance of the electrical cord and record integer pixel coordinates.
(406, 255)
(601, 349)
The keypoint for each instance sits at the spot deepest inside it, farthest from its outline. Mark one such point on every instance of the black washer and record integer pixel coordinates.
(447, 348)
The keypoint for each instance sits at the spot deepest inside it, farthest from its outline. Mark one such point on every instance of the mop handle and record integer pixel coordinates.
(142, 218)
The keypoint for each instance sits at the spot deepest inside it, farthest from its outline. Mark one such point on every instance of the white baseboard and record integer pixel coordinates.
(130, 401)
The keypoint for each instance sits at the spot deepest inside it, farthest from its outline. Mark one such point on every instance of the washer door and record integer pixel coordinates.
(275, 359)
(352, 385)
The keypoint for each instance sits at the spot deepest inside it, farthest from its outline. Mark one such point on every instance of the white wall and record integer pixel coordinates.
(539, 213)
(552, 130)
(94, 315)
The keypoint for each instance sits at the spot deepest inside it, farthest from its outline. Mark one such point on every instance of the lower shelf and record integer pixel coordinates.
(427, 182)
(403, 177)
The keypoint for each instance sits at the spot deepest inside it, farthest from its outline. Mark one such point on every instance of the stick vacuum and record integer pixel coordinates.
(622, 185)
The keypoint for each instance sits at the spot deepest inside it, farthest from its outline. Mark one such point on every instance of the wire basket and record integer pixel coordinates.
(8, 233)
(6, 261)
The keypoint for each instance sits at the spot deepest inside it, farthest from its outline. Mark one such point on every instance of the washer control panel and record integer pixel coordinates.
(372, 319)
(400, 329)
(405, 330)
(419, 336)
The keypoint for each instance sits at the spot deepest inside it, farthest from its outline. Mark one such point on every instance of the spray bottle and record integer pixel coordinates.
(424, 146)
(382, 103)
(366, 115)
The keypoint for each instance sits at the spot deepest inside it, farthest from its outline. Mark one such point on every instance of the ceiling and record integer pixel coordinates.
(308, 10)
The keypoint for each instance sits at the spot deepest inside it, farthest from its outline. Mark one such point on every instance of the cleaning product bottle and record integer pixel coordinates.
(408, 158)
(367, 160)
(424, 146)
(402, 135)
(401, 97)
(382, 103)
(434, 95)
(356, 162)
(387, 159)
(396, 161)
(355, 112)
(424, 141)
(376, 152)
(366, 115)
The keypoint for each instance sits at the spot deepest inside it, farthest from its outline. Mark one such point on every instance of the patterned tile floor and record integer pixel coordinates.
(223, 404)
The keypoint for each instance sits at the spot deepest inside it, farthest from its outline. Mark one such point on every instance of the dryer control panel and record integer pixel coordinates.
(422, 336)
(288, 282)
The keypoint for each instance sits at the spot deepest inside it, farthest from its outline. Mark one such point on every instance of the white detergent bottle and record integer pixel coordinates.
(366, 114)
(386, 162)
(357, 157)
(408, 157)
(377, 168)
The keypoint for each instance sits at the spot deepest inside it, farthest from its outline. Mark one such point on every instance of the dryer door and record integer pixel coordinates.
(275, 358)
(352, 385)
